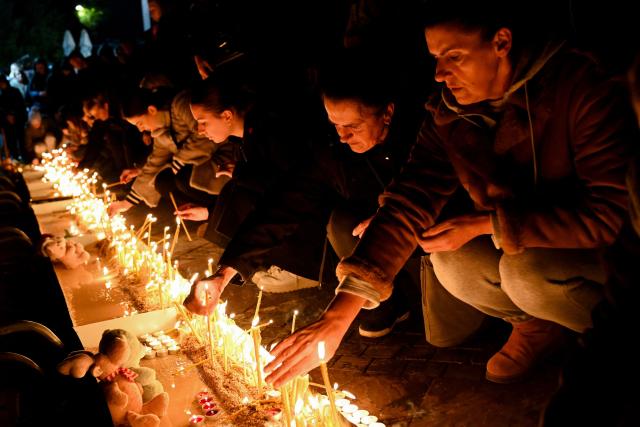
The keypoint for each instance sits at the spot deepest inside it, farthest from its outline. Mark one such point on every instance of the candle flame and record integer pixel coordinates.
(255, 321)
(298, 407)
(177, 220)
(321, 351)
(245, 400)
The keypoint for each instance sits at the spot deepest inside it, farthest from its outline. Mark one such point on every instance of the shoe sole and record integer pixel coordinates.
(382, 332)
(279, 289)
(506, 380)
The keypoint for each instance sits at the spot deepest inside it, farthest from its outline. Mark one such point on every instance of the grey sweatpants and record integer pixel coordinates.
(559, 285)
(447, 320)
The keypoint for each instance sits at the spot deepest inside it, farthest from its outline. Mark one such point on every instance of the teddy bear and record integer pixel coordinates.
(70, 253)
(134, 396)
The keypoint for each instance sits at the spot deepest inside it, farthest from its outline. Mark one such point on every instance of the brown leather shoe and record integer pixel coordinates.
(528, 343)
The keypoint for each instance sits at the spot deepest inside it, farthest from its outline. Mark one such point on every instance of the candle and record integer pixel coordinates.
(201, 394)
(162, 352)
(208, 405)
(340, 403)
(211, 413)
(327, 383)
(293, 322)
(284, 391)
(196, 420)
(258, 304)
(208, 320)
(205, 399)
(368, 419)
(298, 413)
(179, 218)
(174, 349)
(255, 334)
(175, 236)
(209, 266)
(349, 409)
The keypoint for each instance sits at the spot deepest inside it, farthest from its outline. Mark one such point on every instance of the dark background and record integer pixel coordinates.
(36, 27)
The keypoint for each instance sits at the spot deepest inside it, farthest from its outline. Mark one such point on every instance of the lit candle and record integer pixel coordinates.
(258, 305)
(208, 320)
(255, 334)
(196, 420)
(293, 322)
(284, 391)
(209, 266)
(298, 413)
(175, 236)
(327, 383)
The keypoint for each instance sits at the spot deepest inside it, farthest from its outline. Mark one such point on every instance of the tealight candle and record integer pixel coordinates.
(205, 399)
(196, 420)
(208, 405)
(368, 420)
(162, 352)
(342, 402)
(349, 409)
(212, 413)
(201, 394)
(158, 334)
(150, 354)
(360, 413)
(174, 349)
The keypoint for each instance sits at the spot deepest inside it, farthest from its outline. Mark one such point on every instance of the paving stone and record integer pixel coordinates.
(351, 363)
(471, 372)
(351, 348)
(381, 351)
(428, 369)
(418, 352)
(451, 355)
(386, 366)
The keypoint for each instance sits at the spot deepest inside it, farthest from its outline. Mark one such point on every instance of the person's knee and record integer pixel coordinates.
(523, 280)
(450, 272)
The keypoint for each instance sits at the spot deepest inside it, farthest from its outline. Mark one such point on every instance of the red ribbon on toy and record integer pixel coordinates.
(127, 373)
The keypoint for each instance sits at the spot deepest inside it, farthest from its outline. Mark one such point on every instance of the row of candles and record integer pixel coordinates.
(139, 258)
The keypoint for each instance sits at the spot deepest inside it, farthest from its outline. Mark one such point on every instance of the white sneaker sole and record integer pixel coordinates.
(382, 332)
(280, 287)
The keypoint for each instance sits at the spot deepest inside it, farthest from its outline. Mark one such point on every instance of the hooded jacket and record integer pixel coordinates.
(547, 162)
(179, 144)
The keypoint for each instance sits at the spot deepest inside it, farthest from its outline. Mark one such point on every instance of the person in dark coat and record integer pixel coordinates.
(268, 145)
(342, 184)
(539, 138)
(113, 144)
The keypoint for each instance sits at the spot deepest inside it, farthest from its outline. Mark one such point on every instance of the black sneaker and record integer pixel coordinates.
(380, 321)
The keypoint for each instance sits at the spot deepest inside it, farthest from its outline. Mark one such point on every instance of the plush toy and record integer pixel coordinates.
(70, 253)
(116, 365)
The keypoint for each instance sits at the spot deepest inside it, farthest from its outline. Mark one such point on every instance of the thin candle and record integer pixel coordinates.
(209, 266)
(255, 334)
(208, 320)
(255, 315)
(293, 322)
(175, 206)
(175, 236)
(327, 383)
(284, 395)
